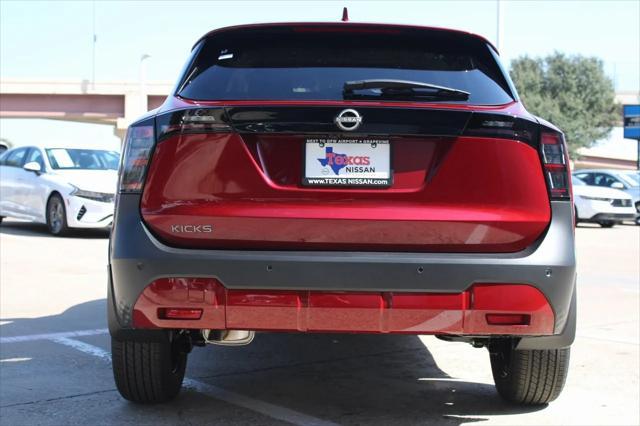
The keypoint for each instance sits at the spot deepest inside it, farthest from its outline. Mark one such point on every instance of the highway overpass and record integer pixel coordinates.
(116, 103)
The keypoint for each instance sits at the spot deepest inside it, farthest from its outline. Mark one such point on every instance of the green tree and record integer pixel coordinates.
(572, 92)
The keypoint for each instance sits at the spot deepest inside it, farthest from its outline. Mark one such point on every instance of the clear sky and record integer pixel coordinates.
(54, 39)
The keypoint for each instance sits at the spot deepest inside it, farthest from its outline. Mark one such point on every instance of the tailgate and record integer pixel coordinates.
(446, 183)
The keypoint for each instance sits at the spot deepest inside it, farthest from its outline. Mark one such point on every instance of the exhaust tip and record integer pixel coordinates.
(228, 337)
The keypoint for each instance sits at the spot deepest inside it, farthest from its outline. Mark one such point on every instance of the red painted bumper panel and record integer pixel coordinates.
(512, 309)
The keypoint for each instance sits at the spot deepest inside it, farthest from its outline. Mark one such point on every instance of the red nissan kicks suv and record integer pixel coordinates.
(342, 177)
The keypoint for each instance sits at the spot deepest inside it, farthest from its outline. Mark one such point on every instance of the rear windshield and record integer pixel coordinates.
(314, 65)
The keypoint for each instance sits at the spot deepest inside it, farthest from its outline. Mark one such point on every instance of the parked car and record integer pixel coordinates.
(624, 180)
(4, 146)
(353, 178)
(604, 206)
(61, 186)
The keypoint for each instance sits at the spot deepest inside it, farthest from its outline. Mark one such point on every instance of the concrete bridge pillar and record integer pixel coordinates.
(120, 132)
(135, 105)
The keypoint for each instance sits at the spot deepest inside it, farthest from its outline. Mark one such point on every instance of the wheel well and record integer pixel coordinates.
(54, 192)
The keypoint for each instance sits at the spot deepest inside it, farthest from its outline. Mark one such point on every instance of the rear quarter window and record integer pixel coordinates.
(14, 158)
(285, 64)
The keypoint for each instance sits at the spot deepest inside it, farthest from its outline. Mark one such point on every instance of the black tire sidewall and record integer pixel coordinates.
(64, 228)
(163, 368)
(514, 372)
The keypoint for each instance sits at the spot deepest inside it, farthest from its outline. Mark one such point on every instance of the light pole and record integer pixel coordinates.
(93, 46)
(499, 15)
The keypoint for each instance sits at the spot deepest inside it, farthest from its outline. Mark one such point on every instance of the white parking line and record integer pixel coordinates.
(84, 347)
(270, 410)
(53, 336)
(15, 359)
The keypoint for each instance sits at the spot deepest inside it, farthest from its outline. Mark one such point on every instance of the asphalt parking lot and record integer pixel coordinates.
(55, 356)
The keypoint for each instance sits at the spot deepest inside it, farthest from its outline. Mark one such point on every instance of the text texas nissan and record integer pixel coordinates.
(343, 177)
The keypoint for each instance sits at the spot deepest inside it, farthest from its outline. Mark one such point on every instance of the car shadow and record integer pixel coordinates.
(344, 378)
(30, 229)
(588, 225)
(84, 316)
(597, 226)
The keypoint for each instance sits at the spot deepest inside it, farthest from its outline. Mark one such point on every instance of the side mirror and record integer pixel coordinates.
(33, 166)
(617, 185)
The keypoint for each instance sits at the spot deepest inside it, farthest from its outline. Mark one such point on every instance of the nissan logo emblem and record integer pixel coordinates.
(348, 120)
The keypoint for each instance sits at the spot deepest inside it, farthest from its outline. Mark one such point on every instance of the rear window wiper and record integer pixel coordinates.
(401, 89)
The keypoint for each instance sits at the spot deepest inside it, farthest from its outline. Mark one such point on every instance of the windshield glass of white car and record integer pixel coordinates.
(82, 159)
(631, 178)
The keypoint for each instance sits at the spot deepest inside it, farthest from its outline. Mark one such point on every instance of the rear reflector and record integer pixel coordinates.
(179, 313)
(508, 319)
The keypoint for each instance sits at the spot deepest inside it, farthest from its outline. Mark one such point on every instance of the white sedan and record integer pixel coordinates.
(605, 206)
(62, 187)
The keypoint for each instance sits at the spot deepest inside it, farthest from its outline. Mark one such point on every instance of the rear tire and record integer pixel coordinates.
(607, 224)
(529, 377)
(57, 216)
(148, 371)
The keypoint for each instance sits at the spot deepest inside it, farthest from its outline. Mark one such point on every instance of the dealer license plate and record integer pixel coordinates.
(347, 162)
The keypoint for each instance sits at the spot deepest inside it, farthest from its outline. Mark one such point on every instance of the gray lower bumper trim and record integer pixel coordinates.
(137, 258)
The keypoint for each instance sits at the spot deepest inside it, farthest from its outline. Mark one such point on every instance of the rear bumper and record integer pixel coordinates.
(484, 309)
(137, 259)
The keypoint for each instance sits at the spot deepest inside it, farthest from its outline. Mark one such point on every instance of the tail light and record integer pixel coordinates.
(502, 126)
(142, 137)
(556, 165)
(196, 120)
(137, 152)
